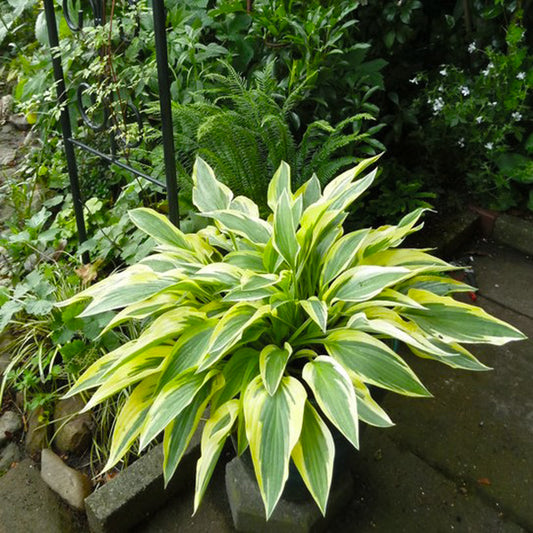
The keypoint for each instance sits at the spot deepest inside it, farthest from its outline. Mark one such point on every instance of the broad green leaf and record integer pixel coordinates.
(272, 363)
(317, 311)
(173, 397)
(273, 426)
(245, 205)
(219, 274)
(215, 433)
(229, 330)
(208, 193)
(334, 393)
(130, 420)
(253, 228)
(242, 367)
(451, 321)
(373, 362)
(284, 236)
(386, 298)
(341, 254)
(345, 198)
(313, 456)
(362, 282)
(158, 227)
(280, 182)
(180, 431)
(309, 191)
(245, 259)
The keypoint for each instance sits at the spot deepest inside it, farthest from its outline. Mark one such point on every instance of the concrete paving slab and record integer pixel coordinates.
(515, 232)
(504, 276)
(28, 505)
(478, 428)
(398, 492)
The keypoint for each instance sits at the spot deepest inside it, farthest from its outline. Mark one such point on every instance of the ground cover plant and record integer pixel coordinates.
(280, 324)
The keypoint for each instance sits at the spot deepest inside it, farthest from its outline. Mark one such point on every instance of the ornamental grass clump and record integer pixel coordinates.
(279, 326)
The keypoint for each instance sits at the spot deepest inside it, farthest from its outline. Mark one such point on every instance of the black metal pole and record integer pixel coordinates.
(65, 122)
(163, 77)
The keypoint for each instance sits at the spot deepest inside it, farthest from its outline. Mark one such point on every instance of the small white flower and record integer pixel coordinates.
(493, 104)
(472, 47)
(465, 91)
(489, 146)
(414, 80)
(479, 119)
(438, 104)
(521, 76)
(441, 89)
(516, 116)
(443, 72)
(485, 72)
(461, 142)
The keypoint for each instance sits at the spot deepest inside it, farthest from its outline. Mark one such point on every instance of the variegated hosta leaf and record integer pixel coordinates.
(309, 191)
(451, 321)
(215, 433)
(313, 456)
(272, 363)
(180, 431)
(253, 228)
(133, 285)
(352, 192)
(247, 260)
(158, 227)
(415, 260)
(280, 182)
(284, 236)
(440, 285)
(172, 398)
(334, 393)
(131, 371)
(368, 409)
(456, 357)
(208, 193)
(229, 330)
(317, 311)
(219, 274)
(273, 426)
(362, 282)
(373, 361)
(130, 420)
(341, 255)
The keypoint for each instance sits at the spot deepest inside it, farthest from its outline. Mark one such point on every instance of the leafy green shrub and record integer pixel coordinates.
(482, 117)
(279, 324)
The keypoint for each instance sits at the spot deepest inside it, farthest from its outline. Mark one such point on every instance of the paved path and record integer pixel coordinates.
(461, 461)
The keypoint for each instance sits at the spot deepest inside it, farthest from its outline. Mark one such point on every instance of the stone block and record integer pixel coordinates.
(28, 505)
(37, 435)
(73, 486)
(9, 454)
(289, 516)
(73, 429)
(514, 232)
(10, 423)
(139, 491)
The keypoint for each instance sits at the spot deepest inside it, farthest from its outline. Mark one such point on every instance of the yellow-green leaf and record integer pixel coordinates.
(272, 363)
(208, 193)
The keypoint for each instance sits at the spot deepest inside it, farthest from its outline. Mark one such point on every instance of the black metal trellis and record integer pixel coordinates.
(170, 184)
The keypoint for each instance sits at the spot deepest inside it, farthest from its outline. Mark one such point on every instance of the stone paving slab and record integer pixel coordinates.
(478, 428)
(504, 276)
(398, 492)
(27, 505)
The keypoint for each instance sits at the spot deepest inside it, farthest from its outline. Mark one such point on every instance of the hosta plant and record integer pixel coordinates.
(279, 326)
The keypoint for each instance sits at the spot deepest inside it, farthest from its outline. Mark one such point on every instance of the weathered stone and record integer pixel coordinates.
(7, 156)
(28, 505)
(37, 434)
(73, 430)
(514, 232)
(71, 485)
(6, 107)
(10, 423)
(248, 510)
(20, 122)
(138, 491)
(9, 454)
